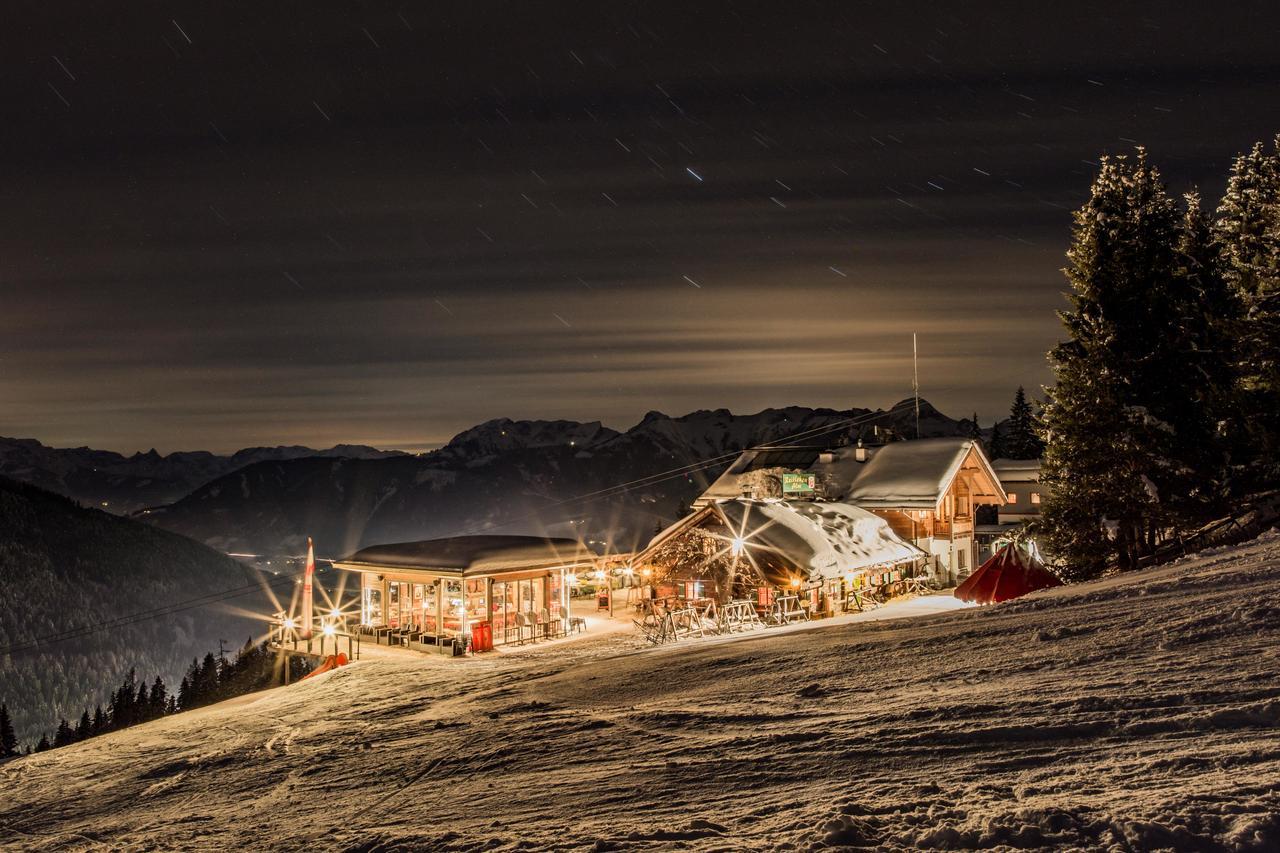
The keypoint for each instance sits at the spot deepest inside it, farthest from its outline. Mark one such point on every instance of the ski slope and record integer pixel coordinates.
(1135, 713)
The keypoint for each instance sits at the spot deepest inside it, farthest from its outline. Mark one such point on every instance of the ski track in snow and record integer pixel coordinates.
(1134, 713)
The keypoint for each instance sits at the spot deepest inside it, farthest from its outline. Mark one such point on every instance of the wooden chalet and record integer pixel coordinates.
(926, 490)
(747, 549)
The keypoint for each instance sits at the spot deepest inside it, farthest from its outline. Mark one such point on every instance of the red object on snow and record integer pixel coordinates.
(1011, 572)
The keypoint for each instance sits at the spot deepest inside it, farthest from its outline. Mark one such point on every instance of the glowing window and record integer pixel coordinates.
(1011, 497)
(1035, 497)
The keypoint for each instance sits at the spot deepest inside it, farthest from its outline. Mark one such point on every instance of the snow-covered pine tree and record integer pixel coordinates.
(1124, 459)
(1248, 230)
(1022, 440)
(8, 740)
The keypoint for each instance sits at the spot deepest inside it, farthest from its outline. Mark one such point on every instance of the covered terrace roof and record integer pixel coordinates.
(471, 555)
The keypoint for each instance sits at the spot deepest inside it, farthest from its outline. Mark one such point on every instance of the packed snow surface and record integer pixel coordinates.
(1134, 713)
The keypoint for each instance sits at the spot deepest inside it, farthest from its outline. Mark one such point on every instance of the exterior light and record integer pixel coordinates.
(328, 630)
(795, 583)
(289, 623)
(738, 547)
(646, 572)
(335, 613)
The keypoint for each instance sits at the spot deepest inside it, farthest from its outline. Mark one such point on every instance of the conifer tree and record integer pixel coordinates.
(84, 729)
(43, 745)
(971, 429)
(158, 700)
(1247, 229)
(8, 740)
(63, 736)
(996, 447)
(1022, 441)
(1119, 422)
(100, 721)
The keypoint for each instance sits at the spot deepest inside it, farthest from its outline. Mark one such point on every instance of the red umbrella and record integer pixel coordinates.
(1011, 572)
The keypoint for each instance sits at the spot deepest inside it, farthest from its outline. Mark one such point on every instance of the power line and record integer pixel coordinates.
(611, 491)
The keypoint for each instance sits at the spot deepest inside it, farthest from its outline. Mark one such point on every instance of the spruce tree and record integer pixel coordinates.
(1123, 462)
(63, 736)
(100, 721)
(8, 740)
(970, 428)
(159, 699)
(84, 729)
(1022, 441)
(43, 745)
(1247, 229)
(996, 446)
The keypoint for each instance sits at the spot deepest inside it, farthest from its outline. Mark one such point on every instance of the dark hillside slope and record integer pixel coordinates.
(64, 567)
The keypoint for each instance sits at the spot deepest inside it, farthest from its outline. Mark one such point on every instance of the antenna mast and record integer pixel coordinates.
(915, 379)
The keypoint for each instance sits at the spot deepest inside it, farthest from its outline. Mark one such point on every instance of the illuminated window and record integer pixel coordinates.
(1035, 497)
(1011, 497)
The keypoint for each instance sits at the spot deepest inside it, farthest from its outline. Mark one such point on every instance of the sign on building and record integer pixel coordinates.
(796, 483)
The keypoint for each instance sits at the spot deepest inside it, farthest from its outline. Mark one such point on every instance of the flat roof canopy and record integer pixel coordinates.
(471, 555)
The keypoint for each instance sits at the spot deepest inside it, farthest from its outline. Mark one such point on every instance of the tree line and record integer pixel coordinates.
(1165, 411)
(214, 679)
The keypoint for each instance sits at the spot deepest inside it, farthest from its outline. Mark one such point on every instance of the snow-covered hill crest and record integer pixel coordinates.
(1134, 713)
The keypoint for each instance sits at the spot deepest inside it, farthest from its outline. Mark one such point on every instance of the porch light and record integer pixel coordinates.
(739, 547)
(795, 583)
(335, 613)
(646, 572)
(290, 624)
(328, 630)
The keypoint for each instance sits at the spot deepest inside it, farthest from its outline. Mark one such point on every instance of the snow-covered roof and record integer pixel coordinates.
(470, 555)
(913, 474)
(900, 475)
(1019, 470)
(820, 538)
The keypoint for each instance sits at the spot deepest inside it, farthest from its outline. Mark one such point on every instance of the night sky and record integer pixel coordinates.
(333, 222)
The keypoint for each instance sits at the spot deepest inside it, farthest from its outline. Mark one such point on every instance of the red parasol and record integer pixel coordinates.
(1011, 572)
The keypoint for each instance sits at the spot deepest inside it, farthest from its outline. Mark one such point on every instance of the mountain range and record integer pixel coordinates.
(505, 476)
(124, 484)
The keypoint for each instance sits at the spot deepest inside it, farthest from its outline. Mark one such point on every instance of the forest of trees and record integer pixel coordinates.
(255, 667)
(1166, 404)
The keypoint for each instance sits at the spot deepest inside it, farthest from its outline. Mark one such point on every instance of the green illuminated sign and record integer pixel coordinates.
(793, 483)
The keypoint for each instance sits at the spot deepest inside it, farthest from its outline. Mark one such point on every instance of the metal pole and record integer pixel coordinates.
(915, 379)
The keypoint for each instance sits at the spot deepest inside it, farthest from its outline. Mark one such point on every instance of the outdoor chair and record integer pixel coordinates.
(550, 627)
(525, 621)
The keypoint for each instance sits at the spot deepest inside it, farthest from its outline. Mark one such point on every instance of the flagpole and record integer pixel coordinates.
(307, 594)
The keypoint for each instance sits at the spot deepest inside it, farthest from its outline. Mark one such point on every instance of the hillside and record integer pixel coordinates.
(1133, 713)
(65, 567)
(122, 484)
(518, 473)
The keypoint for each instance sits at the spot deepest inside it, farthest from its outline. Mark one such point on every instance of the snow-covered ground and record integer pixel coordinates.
(1135, 713)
